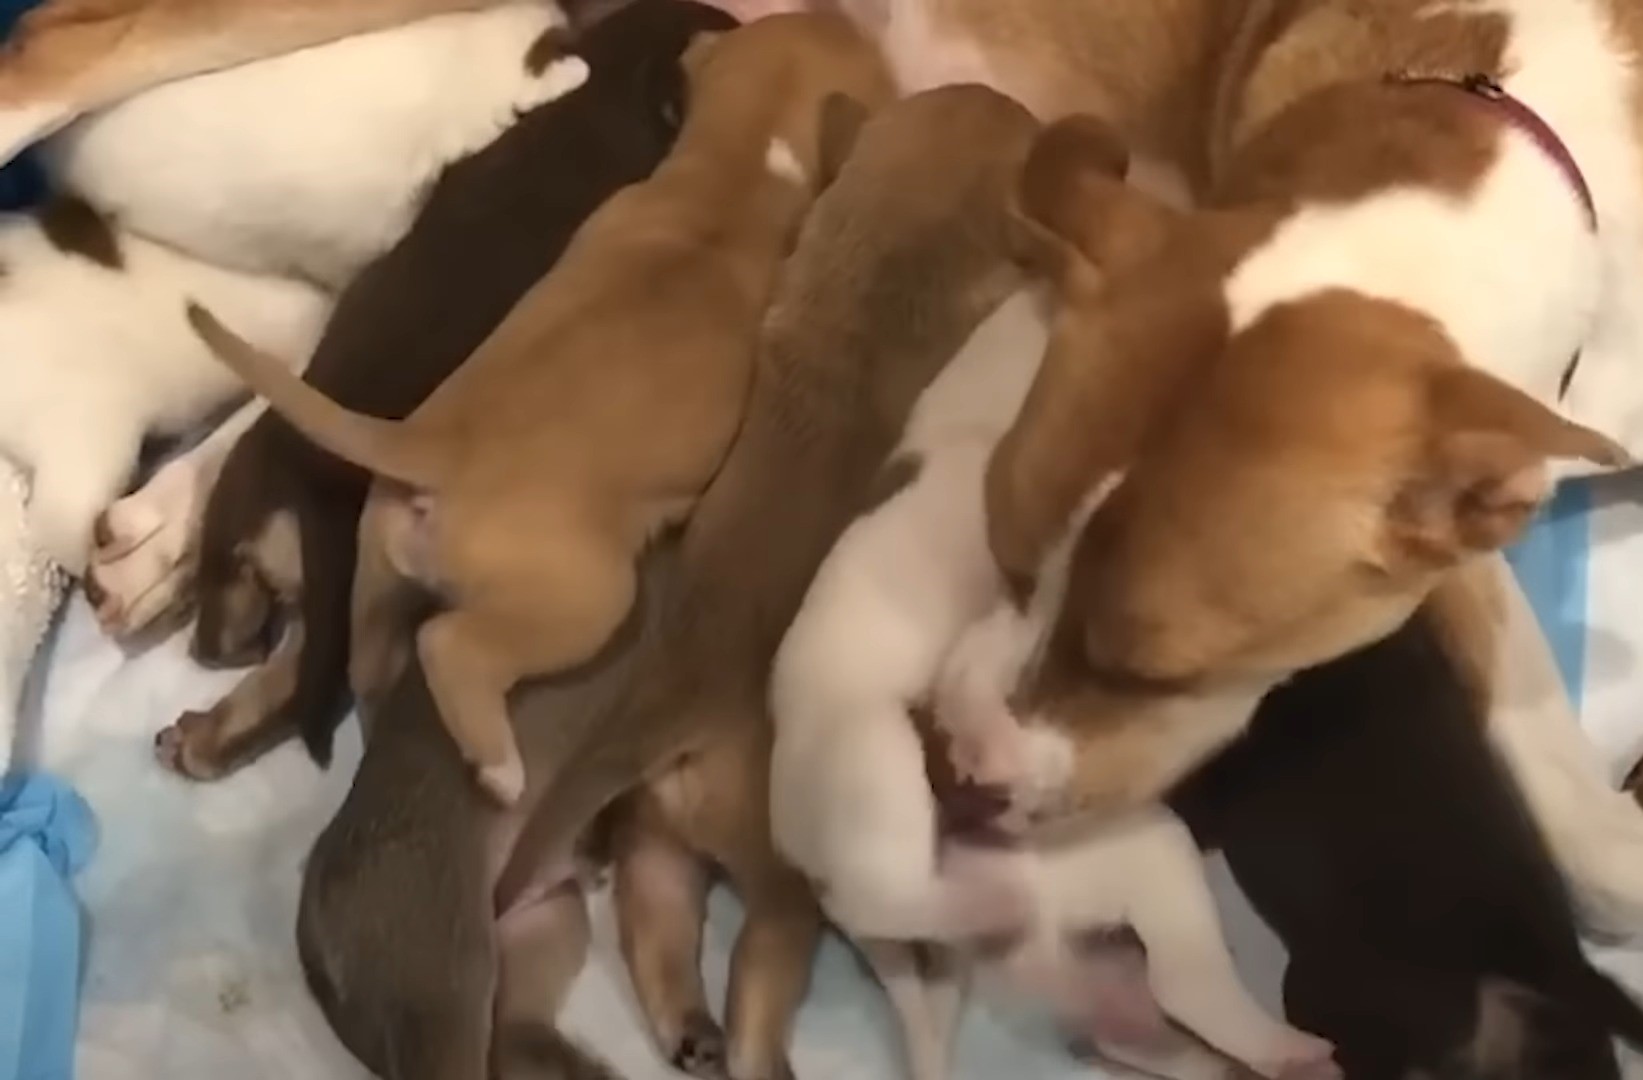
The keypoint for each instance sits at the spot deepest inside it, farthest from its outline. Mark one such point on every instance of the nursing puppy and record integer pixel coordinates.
(1428, 934)
(601, 406)
(433, 989)
(277, 545)
(902, 257)
(295, 167)
(852, 808)
(95, 356)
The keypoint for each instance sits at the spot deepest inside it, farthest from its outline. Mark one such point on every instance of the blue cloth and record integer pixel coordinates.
(1551, 563)
(47, 834)
(21, 182)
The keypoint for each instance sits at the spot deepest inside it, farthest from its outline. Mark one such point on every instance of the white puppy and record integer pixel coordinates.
(313, 163)
(851, 801)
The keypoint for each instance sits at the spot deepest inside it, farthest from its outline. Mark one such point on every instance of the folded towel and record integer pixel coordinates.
(46, 835)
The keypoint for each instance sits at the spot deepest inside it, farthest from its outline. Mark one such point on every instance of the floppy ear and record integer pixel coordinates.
(1073, 206)
(1483, 474)
(842, 118)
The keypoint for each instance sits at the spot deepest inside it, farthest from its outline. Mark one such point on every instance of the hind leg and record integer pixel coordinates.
(661, 898)
(770, 966)
(533, 603)
(925, 985)
(1191, 969)
(542, 948)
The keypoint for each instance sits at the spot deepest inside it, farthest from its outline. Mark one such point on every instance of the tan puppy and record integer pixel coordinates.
(596, 413)
(900, 260)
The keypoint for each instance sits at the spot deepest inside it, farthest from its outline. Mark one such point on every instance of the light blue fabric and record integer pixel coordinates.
(1551, 563)
(47, 834)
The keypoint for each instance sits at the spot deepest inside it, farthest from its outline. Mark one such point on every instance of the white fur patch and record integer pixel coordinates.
(780, 161)
(313, 162)
(1512, 272)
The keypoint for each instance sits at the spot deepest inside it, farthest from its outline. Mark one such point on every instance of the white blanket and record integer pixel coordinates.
(192, 972)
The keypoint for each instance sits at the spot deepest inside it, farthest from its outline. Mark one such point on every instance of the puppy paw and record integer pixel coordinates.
(701, 1050)
(141, 565)
(504, 782)
(189, 747)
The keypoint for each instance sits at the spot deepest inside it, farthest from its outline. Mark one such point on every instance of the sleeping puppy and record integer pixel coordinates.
(294, 167)
(599, 409)
(902, 257)
(95, 356)
(433, 989)
(1428, 932)
(277, 545)
(851, 806)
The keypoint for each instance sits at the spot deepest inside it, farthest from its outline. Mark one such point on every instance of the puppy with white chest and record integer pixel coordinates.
(600, 408)
(851, 805)
(277, 545)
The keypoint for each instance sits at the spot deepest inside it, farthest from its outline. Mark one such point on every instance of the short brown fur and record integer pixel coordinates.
(600, 408)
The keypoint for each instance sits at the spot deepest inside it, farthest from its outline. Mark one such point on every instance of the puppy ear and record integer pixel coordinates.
(1072, 201)
(1483, 474)
(842, 118)
(697, 52)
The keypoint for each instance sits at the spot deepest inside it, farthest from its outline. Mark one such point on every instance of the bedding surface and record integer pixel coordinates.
(190, 971)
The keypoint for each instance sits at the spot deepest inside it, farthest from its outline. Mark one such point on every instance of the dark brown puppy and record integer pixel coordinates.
(1430, 933)
(280, 530)
(901, 258)
(398, 939)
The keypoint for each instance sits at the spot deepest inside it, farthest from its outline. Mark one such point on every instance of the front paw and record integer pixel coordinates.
(191, 747)
(700, 1050)
(141, 569)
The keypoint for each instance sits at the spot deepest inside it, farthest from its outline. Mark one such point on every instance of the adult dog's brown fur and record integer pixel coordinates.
(900, 260)
(600, 408)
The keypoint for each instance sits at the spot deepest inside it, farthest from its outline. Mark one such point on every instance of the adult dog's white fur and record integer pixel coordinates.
(93, 359)
(313, 163)
(307, 165)
(852, 806)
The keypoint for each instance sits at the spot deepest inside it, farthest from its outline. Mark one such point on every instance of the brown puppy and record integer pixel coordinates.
(902, 257)
(600, 408)
(432, 988)
(277, 541)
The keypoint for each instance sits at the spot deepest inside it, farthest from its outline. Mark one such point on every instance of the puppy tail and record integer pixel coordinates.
(385, 447)
(538, 1052)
